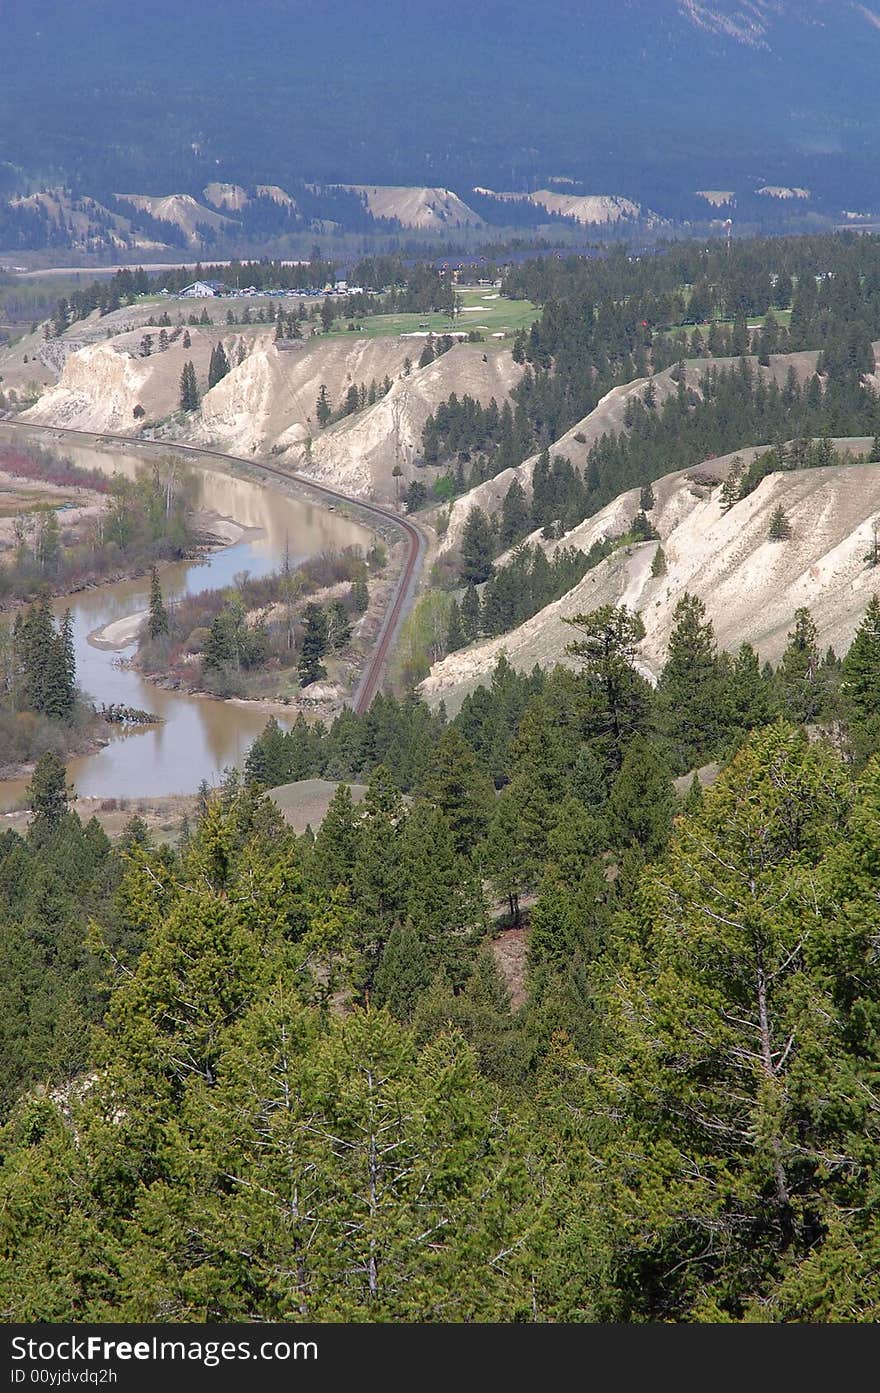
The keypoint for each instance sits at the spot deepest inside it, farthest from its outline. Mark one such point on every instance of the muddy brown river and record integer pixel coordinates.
(198, 737)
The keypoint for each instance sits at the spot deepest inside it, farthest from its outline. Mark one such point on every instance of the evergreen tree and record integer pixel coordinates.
(219, 366)
(314, 645)
(189, 391)
(458, 787)
(780, 527)
(508, 856)
(690, 691)
(642, 802)
(323, 409)
(730, 489)
(750, 692)
(658, 565)
(646, 498)
(860, 686)
(378, 878)
(515, 515)
(44, 663)
(455, 636)
(157, 624)
(48, 793)
(335, 849)
(268, 763)
(619, 698)
(477, 547)
(360, 595)
(471, 613)
(427, 354)
(800, 678)
(709, 1054)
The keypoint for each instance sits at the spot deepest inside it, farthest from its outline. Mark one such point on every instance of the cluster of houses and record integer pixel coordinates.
(204, 290)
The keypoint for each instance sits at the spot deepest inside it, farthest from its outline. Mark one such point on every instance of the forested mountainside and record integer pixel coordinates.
(574, 1015)
(277, 1077)
(592, 93)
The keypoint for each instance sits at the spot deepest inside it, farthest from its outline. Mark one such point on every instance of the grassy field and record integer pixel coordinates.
(481, 309)
(782, 317)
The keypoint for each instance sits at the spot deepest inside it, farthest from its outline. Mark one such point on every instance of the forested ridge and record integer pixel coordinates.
(611, 320)
(264, 1076)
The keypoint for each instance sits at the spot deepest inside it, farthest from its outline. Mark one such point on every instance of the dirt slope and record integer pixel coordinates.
(180, 209)
(751, 586)
(417, 207)
(102, 383)
(269, 402)
(361, 451)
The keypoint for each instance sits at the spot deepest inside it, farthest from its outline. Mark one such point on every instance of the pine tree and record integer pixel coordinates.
(709, 1055)
(427, 354)
(751, 698)
(323, 409)
(730, 489)
(314, 645)
(646, 498)
(48, 793)
(690, 690)
(455, 636)
(336, 844)
(477, 547)
(360, 595)
(874, 456)
(515, 515)
(780, 527)
(642, 803)
(799, 676)
(471, 614)
(619, 698)
(219, 366)
(378, 880)
(693, 799)
(507, 854)
(658, 565)
(44, 663)
(189, 391)
(860, 687)
(404, 972)
(268, 761)
(458, 787)
(157, 624)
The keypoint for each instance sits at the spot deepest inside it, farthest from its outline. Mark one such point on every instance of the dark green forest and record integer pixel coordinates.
(268, 1077)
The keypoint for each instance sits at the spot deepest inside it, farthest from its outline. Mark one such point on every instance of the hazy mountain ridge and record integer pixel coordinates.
(776, 93)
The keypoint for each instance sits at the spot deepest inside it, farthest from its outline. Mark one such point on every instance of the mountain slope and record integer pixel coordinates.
(452, 97)
(750, 586)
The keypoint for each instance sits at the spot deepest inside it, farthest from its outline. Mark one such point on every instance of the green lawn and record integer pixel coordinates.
(487, 315)
(782, 317)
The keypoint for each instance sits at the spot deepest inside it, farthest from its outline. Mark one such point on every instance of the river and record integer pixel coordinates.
(198, 737)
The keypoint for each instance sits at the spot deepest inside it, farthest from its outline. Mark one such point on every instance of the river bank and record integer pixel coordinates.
(254, 526)
(275, 686)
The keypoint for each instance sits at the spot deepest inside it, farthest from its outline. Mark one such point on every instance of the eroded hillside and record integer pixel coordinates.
(750, 585)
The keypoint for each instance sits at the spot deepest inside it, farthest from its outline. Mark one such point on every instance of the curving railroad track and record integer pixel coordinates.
(371, 678)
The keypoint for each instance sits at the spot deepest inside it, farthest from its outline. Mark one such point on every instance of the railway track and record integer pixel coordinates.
(371, 678)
